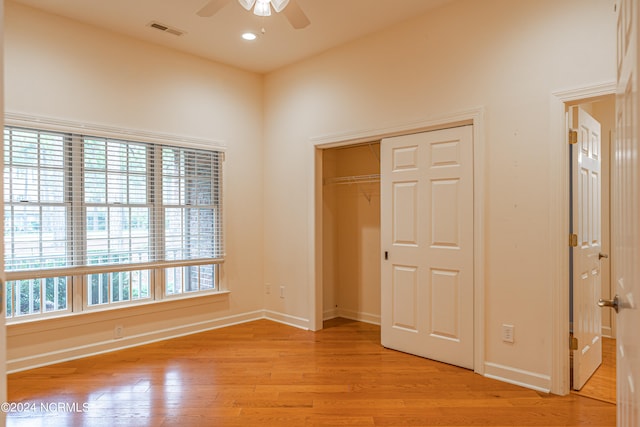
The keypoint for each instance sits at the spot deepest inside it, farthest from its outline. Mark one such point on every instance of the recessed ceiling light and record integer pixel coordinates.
(249, 36)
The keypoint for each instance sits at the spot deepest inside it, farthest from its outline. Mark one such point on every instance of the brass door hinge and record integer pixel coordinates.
(573, 240)
(573, 343)
(573, 136)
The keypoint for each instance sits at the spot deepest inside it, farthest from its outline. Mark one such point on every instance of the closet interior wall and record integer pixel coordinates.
(351, 232)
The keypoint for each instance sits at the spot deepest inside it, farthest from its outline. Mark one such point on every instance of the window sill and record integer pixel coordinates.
(97, 315)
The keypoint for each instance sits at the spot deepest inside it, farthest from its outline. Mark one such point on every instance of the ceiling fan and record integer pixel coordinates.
(289, 8)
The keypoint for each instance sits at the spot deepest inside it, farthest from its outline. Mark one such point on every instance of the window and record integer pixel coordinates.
(107, 220)
(191, 202)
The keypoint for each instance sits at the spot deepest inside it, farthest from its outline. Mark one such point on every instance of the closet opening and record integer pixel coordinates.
(351, 232)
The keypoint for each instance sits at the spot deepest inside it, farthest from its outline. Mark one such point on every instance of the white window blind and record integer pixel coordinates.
(80, 204)
(37, 202)
(191, 203)
(116, 193)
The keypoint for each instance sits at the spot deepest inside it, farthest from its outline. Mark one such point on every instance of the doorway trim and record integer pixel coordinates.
(559, 227)
(472, 116)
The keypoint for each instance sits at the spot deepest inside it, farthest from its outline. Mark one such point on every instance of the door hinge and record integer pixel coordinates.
(573, 136)
(573, 343)
(573, 240)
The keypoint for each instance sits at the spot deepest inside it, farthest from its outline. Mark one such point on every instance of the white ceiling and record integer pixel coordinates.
(333, 22)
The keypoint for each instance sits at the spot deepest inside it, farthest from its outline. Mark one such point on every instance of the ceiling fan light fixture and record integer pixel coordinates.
(262, 8)
(290, 8)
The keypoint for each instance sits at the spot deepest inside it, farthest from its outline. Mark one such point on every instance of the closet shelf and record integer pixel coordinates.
(355, 179)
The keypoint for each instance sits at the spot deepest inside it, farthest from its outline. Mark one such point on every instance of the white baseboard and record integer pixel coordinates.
(106, 346)
(607, 332)
(360, 316)
(78, 352)
(518, 377)
(330, 314)
(297, 322)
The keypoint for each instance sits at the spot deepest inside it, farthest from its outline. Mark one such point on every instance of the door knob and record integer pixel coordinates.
(613, 303)
(601, 255)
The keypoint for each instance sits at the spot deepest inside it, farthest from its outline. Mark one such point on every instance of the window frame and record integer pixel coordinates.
(78, 276)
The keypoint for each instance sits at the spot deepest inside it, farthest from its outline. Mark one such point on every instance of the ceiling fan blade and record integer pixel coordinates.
(247, 4)
(212, 7)
(295, 15)
(278, 5)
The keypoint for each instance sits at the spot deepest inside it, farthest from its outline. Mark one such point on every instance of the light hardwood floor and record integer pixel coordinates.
(267, 374)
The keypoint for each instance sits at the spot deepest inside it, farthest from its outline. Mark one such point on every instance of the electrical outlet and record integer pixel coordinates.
(267, 288)
(118, 332)
(507, 333)
(281, 291)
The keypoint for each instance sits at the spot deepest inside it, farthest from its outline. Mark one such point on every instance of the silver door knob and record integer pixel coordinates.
(601, 255)
(613, 303)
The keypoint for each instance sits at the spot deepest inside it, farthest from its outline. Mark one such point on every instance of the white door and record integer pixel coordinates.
(626, 216)
(427, 244)
(3, 346)
(587, 226)
(3, 343)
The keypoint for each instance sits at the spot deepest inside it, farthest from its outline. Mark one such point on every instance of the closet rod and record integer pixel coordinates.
(355, 179)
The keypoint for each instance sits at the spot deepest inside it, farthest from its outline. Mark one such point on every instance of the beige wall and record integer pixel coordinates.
(506, 56)
(59, 68)
(351, 226)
